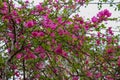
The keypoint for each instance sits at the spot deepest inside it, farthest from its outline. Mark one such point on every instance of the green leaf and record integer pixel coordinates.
(102, 26)
(1, 60)
(65, 11)
(104, 0)
(118, 7)
(70, 2)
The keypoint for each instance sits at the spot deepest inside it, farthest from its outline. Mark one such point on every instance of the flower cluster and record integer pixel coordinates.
(46, 42)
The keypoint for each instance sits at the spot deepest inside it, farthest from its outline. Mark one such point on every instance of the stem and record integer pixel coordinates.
(23, 69)
(13, 76)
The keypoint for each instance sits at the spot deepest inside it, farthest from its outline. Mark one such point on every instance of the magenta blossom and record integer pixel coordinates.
(98, 75)
(118, 62)
(35, 34)
(58, 50)
(42, 55)
(39, 49)
(75, 78)
(29, 24)
(89, 74)
(110, 50)
(11, 35)
(107, 13)
(40, 34)
(104, 14)
(94, 19)
(18, 56)
(18, 20)
(39, 7)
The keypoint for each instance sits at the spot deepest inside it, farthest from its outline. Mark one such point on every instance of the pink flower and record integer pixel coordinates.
(5, 5)
(86, 27)
(37, 76)
(14, 12)
(60, 31)
(39, 49)
(4, 8)
(98, 75)
(108, 77)
(107, 13)
(74, 36)
(98, 34)
(104, 14)
(80, 1)
(109, 39)
(18, 20)
(110, 31)
(77, 0)
(35, 34)
(52, 34)
(69, 23)
(26, 1)
(40, 65)
(4, 11)
(87, 61)
(10, 28)
(53, 26)
(94, 19)
(13, 67)
(110, 50)
(75, 78)
(76, 27)
(39, 7)
(40, 34)
(32, 56)
(59, 19)
(118, 61)
(64, 54)
(58, 50)
(29, 24)
(89, 74)
(48, 23)
(118, 46)
(98, 42)
(8, 50)
(100, 14)
(11, 35)
(42, 55)
(18, 56)
(56, 1)
(17, 73)
(55, 70)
